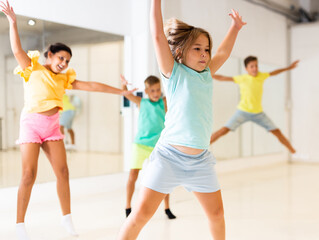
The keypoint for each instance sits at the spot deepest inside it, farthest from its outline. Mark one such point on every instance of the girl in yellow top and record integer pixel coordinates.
(44, 87)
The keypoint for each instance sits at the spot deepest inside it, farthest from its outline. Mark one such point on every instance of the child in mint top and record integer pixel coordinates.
(150, 120)
(150, 125)
(181, 157)
(189, 117)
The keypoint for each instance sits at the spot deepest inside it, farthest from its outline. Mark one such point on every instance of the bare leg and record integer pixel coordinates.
(62, 129)
(130, 186)
(283, 140)
(147, 205)
(30, 154)
(71, 132)
(55, 152)
(212, 204)
(166, 201)
(216, 135)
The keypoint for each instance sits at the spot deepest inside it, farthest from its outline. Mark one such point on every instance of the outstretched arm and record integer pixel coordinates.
(19, 54)
(222, 78)
(164, 56)
(290, 67)
(135, 99)
(99, 87)
(225, 48)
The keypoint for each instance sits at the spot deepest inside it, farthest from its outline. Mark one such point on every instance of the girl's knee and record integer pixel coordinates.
(217, 214)
(28, 177)
(63, 173)
(143, 215)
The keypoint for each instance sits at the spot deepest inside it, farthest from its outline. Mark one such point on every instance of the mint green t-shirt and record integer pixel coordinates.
(189, 116)
(150, 122)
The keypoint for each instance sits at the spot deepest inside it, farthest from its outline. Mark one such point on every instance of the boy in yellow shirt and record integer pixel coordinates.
(250, 105)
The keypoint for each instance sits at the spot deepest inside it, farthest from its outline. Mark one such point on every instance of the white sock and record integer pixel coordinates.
(68, 224)
(21, 232)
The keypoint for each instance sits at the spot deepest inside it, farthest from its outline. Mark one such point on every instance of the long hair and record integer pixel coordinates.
(181, 36)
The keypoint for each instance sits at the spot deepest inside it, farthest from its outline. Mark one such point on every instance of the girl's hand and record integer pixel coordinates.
(124, 81)
(294, 64)
(237, 20)
(128, 92)
(8, 11)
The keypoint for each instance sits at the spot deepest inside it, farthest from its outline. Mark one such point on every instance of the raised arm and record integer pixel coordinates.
(164, 56)
(222, 78)
(99, 87)
(290, 67)
(225, 48)
(135, 99)
(19, 54)
(165, 103)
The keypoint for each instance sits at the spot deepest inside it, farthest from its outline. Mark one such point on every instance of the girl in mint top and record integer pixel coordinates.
(180, 157)
(189, 118)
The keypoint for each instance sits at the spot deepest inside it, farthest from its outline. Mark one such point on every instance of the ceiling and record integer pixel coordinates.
(50, 28)
(50, 31)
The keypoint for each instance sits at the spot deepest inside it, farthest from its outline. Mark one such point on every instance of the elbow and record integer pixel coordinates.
(156, 36)
(17, 52)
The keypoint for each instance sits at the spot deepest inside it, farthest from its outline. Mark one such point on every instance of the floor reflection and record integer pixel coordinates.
(81, 164)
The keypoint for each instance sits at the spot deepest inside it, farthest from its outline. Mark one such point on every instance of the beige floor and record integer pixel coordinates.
(279, 202)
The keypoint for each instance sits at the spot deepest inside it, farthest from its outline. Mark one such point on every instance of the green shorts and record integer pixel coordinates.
(139, 154)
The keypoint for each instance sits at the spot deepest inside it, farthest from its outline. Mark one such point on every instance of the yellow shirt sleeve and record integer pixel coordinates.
(263, 76)
(25, 73)
(238, 78)
(70, 78)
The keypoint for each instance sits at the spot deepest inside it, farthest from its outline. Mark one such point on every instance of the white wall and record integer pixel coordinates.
(101, 15)
(264, 36)
(305, 88)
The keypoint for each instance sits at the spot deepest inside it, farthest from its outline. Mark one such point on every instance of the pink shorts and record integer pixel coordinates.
(38, 128)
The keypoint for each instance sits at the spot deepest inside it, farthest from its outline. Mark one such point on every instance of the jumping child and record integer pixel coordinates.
(150, 125)
(180, 157)
(250, 105)
(44, 87)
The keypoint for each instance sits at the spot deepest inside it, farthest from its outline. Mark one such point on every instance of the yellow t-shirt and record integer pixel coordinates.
(67, 105)
(251, 91)
(43, 89)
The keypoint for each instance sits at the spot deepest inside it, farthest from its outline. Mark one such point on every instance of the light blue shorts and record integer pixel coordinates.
(66, 119)
(169, 168)
(241, 117)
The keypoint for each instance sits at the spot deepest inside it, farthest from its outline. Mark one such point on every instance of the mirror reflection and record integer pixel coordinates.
(249, 139)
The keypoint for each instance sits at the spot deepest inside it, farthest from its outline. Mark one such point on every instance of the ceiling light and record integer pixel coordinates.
(31, 22)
